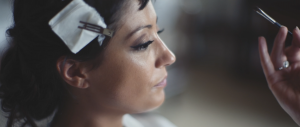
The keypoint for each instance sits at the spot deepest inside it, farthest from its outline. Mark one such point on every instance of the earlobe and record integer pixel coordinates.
(82, 84)
(72, 72)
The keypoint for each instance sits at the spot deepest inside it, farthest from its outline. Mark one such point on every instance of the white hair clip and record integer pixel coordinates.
(78, 24)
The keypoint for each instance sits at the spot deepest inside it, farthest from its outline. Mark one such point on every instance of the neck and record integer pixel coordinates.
(74, 114)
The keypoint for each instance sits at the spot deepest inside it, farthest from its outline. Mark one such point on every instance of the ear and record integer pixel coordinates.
(72, 72)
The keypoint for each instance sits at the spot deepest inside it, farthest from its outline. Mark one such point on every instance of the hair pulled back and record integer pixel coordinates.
(31, 87)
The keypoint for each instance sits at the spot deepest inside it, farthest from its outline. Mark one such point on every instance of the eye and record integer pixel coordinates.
(160, 31)
(142, 46)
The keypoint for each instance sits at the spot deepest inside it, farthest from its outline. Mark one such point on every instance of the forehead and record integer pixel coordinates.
(133, 17)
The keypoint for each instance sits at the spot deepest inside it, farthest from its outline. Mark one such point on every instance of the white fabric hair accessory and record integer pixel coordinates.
(78, 24)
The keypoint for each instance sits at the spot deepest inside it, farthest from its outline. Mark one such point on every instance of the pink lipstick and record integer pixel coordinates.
(163, 83)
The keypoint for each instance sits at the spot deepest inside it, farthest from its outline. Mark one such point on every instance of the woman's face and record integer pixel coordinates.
(132, 75)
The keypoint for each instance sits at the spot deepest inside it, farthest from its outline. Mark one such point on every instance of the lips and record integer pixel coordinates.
(163, 83)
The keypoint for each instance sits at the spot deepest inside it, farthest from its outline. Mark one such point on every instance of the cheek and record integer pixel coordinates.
(126, 82)
(138, 85)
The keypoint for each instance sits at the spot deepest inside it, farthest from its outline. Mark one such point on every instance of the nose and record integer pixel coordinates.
(165, 56)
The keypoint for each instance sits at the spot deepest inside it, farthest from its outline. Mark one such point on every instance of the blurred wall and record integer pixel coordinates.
(5, 21)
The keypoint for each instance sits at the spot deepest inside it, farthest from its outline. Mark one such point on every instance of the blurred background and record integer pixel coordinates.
(217, 80)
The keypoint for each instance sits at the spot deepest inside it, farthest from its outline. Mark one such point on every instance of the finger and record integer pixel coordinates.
(265, 59)
(296, 38)
(293, 52)
(277, 55)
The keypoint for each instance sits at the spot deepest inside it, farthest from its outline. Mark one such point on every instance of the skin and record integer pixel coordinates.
(125, 82)
(284, 84)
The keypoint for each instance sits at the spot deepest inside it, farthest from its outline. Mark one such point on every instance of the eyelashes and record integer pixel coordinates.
(160, 31)
(144, 46)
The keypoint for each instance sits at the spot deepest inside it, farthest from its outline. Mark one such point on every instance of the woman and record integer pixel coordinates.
(94, 85)
(282, 71)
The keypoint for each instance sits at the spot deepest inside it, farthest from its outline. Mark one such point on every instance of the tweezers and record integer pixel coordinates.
(96, 29)
(273, 21)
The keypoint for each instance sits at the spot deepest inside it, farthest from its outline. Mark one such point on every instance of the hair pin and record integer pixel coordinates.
(269, 18)
(96, 29)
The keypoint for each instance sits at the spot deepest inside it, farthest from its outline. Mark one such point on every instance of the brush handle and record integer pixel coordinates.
(279, 26)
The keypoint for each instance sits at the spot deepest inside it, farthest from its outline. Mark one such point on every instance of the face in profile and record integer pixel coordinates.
(132, 74)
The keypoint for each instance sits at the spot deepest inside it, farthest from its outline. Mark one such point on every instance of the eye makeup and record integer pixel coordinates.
(144, 46)
(160, 31)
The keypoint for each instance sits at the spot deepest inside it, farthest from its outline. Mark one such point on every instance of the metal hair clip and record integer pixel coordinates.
(96, 29)
(266, 16)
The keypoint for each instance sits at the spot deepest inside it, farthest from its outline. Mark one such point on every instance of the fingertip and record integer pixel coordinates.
(296, 30)
(296, 37)
(280, 38)
(261, 39)
(284, 29)
(262, 44)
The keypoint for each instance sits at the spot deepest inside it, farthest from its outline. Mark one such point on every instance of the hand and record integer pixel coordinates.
(285, 83)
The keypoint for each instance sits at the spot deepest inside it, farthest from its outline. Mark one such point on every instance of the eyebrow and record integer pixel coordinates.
(140, 28)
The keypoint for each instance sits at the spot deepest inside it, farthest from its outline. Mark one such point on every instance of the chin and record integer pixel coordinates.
(147, 104)
(155, 103)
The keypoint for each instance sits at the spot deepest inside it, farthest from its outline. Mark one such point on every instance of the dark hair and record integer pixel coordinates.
(31, 87)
